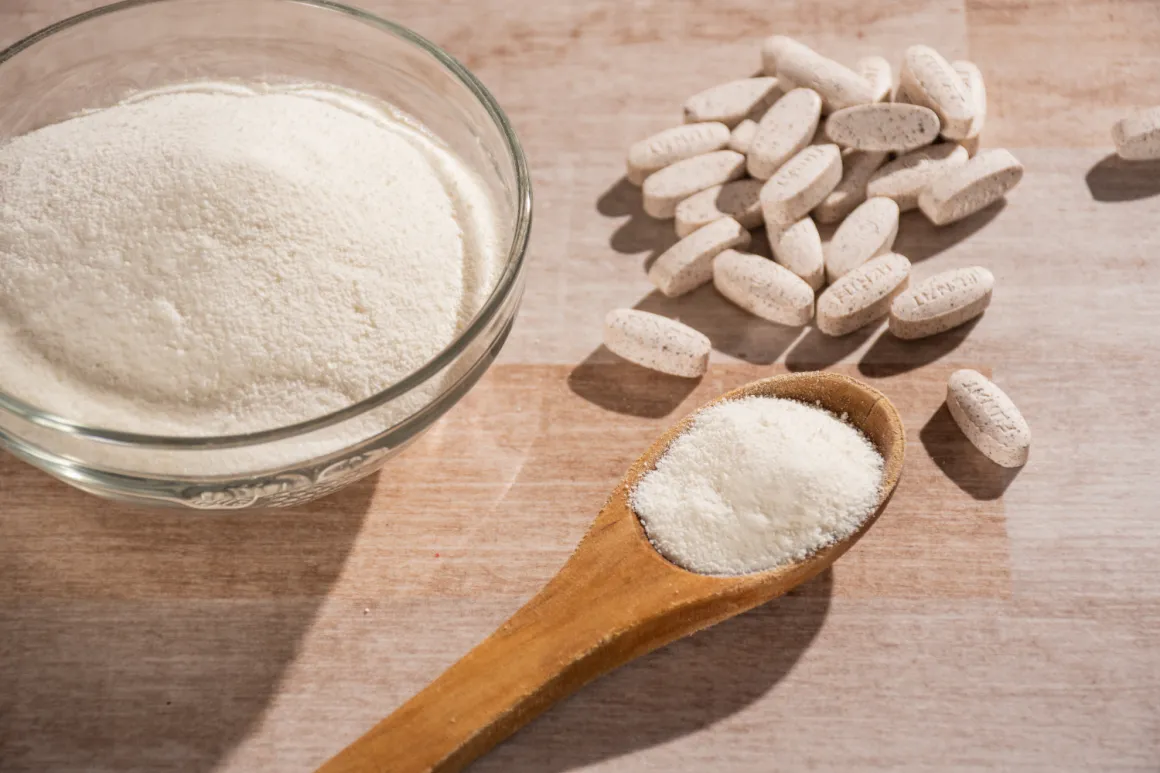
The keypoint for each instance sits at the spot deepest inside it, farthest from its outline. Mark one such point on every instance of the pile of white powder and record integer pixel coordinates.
(757, 483)
(216, 259)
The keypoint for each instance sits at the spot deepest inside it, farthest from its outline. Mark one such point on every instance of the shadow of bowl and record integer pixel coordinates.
(152, 640)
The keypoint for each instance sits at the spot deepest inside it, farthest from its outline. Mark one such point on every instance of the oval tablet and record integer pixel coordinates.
(988, 418)
(670, 186)
(1137, 137)
(942, 302)
(799, 249)
(930, 81)
(800, 185)
(973, 78)
(863, 295)
(907, 176)
(688, 264)
(887, 126)
(838, 85)
(730, 102)
(876, 70)
(742, 136)
(740, 200)
(656, 342)
(673, 145)
(851, 189)
(785, 129)
(763, 288)
(984, 179)
(868, 232)
(770, 48)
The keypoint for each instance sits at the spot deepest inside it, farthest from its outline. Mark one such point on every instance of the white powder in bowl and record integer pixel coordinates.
(757, 483)
(218, 259)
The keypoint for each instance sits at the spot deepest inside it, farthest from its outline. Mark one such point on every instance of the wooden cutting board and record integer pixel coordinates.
(989, 621)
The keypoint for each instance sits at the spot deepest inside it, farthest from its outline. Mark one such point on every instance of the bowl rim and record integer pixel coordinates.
(487, 312)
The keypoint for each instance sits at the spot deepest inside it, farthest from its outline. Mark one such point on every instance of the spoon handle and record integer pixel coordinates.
(614, 600)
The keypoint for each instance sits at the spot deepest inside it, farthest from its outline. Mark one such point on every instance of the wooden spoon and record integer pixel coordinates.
(615, 599)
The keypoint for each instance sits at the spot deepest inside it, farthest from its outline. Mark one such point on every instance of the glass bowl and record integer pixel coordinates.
(99, 58)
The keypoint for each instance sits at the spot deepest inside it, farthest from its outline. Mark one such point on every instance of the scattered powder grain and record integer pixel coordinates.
(757, 483)
(213, 258)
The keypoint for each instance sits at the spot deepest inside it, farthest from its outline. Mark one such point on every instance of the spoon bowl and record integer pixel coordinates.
(615, 599)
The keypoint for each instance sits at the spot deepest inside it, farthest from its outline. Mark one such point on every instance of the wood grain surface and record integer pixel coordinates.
(990, 620)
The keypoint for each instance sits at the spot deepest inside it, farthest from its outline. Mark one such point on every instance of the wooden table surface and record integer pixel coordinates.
(989, 622)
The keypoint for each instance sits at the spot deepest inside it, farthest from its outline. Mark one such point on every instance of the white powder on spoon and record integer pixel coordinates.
(214, 259)
(756, 483)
